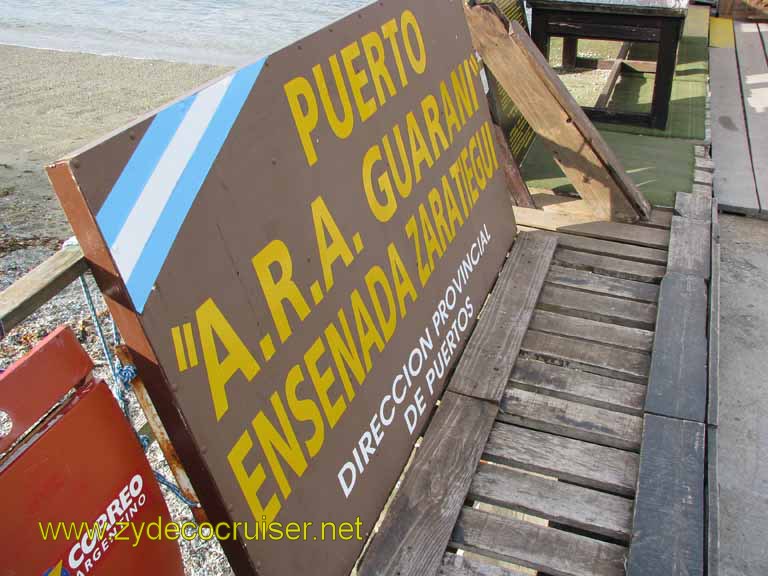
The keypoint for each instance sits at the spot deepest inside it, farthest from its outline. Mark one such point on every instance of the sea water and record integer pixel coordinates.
(230, 32)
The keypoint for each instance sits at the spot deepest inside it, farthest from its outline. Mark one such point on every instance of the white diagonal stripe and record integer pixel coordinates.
(130, 242)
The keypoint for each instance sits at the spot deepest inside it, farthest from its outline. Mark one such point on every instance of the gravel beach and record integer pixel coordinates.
(50, 104)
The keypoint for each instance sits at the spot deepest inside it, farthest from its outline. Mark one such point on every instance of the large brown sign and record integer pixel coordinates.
(296, 255)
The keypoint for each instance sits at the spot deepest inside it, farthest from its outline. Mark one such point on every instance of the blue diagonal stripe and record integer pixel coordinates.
(136, 173)
(175, 212)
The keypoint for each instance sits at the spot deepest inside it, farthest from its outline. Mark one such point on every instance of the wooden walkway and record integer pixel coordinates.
(571, 438)
(739, 85)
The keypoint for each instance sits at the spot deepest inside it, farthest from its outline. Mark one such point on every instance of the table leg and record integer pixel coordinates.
(570, 49)
(665, 73)
(540, 34)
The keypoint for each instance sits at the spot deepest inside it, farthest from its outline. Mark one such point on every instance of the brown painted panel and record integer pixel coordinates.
(272, 304)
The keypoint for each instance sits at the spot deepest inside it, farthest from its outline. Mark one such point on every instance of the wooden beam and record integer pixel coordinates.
(677, 386)
(416, 529)
(517, 187)
(555, 501)
(579, 386)
(613, 76)
(540, 548)
(689, 247)
(35, 288)
(571, 419)
(538, 93)
(590, 282)
(581, 225)
(574, 461)
(490, 354)
(668, 528)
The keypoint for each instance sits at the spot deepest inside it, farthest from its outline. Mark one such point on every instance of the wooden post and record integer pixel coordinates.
(578, 148)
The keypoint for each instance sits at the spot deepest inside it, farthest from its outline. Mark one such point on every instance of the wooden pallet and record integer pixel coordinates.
(543, 419)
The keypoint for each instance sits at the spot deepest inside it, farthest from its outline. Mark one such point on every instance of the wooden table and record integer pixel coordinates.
(656, 21)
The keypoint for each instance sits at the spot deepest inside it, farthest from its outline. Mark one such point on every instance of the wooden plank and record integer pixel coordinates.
(487, 361)
(35, 288)
(589, 356)
(538, 547)
(713, 504)
(517, 187)
(555, 501)
(599, 307)
(702, 189)
(668, 528)
(753, 68)
(578, 147)
(591, 282)
(455, 565)
(693, 206)
(734, 181)
(570, 419)
(703, 177)
(609, 266)
(608, 248)
(713, 326)
(574, 461)
(579, 386)
(417, 527)
(580, 225)
(704, 164)
(593, 331)
(613, 76)
(677, 386)
(689, 247)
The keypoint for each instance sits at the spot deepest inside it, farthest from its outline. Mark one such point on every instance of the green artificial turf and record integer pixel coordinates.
(659, 166)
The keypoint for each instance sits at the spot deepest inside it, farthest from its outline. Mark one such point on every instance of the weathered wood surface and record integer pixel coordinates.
(677, 386)
(416, 529)
(580, 225)
(609, 266)
(584, 329)
(668, 528)
(570, 419)
(575, 461)
(753, 69)
(490, 354)
(693, 206)
(588, 356)
(552, 112)
(609, 248)
(35, 288)
(455, 565)
(591, 282)
(734, 182)
(599, 307)
(713, 327)
(613, 76)
(558, 502)
(713, 504)
(517, 187)
(689, 247)
(579, 386)
(538, 547)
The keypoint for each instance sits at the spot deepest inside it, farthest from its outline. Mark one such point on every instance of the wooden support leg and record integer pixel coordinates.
(540, 35)
(665, 72)
(570, 49)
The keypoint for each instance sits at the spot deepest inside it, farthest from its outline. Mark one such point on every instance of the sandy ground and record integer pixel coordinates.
(743, 432)
(50, 104)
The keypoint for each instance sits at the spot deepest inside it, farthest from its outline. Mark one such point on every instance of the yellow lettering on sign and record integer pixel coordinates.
(281, 290)
(250, 484)
(331, 244)
(305, 115)
(211, 322)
